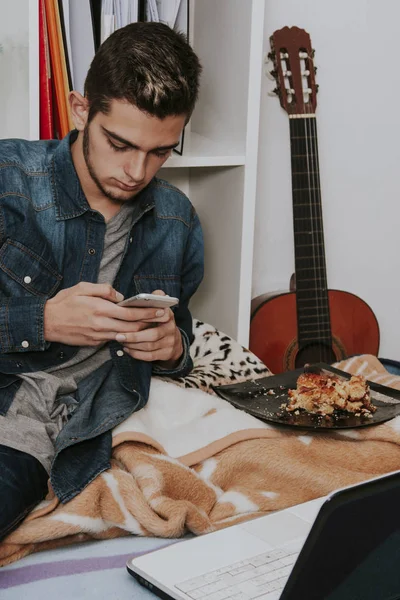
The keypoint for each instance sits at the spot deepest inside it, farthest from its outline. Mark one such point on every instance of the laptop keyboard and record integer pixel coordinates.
(262, 577)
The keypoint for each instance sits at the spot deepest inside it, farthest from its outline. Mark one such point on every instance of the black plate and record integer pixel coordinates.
(253, 397)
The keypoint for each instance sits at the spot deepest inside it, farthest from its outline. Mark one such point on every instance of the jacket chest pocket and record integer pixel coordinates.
(22, 267)
(170, 284)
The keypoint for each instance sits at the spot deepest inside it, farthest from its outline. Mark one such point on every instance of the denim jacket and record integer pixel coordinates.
(50, 239)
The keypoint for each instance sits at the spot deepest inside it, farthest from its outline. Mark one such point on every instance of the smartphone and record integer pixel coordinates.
(149, 301)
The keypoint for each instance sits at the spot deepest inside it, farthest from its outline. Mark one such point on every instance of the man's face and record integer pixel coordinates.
(124, 149)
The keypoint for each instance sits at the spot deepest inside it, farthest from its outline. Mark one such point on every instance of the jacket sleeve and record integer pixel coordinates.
(191, 277)
(22, 324)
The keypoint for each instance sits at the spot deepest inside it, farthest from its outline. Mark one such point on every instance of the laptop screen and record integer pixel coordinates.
(353, 550)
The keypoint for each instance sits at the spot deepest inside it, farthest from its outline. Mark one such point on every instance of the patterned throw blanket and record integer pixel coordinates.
(190, 462)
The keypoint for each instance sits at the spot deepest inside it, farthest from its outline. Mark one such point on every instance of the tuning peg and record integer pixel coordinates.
(316, 89)
(315, 70)
(270, 65)
(273, 92)
(271, 55)
(313, 53)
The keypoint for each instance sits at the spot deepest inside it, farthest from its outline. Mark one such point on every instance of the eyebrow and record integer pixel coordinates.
(127, 143)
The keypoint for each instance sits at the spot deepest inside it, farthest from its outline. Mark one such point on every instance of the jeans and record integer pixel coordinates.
(23, 484)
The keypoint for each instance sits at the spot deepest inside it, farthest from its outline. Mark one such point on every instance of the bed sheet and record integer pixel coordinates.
(84, 571)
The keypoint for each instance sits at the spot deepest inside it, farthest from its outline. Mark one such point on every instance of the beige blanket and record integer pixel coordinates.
(191, 462)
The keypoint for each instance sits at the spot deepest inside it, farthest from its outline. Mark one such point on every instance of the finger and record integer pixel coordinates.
(100, 290)
(118, 330)
(104, 326)
(167, 316)
(125, 313)
(157, 355)
(161, 318)
(159, 293)
(147, 346)
(150, 334)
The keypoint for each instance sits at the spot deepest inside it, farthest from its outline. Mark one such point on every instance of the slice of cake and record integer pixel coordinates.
(322, 394)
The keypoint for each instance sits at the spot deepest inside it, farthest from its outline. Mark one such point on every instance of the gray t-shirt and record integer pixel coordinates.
(38, 411)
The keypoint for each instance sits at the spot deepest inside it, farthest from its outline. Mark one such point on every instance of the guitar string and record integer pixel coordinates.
(299, 173)
(327, 349)
(296, 150)
(314, 225)
(302, 207)
(311, 207)
(317, 234)
(304, 210)
(325, 328)
(295, 153)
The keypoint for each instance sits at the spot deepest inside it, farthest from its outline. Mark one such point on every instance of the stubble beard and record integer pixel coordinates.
(86, 155)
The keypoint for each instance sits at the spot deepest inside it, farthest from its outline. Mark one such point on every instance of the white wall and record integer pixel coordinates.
(357, 50)
(14, 69)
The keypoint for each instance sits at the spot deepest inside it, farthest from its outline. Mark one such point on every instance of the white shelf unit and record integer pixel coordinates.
(33, 37)
(19, 67)
(218, 168)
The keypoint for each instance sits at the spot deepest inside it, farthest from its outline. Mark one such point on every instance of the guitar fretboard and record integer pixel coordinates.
(313, 316)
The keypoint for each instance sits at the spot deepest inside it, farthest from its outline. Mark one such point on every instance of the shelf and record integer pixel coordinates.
(199, 151)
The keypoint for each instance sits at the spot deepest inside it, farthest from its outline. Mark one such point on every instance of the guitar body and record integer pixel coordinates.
(273, 331)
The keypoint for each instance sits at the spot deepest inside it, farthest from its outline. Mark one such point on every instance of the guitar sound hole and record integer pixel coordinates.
(314, 353)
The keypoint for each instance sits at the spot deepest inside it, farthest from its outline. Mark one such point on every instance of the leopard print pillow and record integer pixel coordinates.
(219, 360)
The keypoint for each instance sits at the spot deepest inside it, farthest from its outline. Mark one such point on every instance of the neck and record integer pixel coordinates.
(311, 281)
(95, 198)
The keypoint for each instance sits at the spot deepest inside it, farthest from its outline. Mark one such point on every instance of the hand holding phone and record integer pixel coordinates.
(157, 339)
(149, 301)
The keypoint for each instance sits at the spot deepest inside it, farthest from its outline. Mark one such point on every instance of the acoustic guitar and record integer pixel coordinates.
(312, 323)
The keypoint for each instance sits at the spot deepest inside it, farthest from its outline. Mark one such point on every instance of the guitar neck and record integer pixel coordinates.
(313, 316)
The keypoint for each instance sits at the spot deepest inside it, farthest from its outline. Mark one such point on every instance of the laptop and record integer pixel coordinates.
(345, 546)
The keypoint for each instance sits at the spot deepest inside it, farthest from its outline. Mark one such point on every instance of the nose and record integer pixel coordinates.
(135, 169)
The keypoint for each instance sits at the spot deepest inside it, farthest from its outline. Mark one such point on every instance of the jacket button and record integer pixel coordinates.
(27, 279)
(92, 251)
(25, 344)
(120, 352)
(61, 355)
(73, 439)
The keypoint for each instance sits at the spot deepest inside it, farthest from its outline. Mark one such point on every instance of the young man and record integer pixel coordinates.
(83, 223)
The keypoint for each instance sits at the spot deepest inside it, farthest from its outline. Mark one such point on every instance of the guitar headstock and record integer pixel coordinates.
(294, 71)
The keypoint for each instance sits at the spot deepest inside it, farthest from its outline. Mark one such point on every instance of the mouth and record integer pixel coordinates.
(127, 188)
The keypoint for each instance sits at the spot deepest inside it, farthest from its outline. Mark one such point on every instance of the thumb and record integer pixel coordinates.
(159, 293)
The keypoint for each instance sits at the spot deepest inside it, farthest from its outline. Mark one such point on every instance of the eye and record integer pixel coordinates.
(117, 148)
(162, 153)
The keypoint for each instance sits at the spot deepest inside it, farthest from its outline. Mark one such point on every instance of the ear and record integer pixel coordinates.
(79, 109)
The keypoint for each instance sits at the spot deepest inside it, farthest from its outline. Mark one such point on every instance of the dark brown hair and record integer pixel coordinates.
(148, 64)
